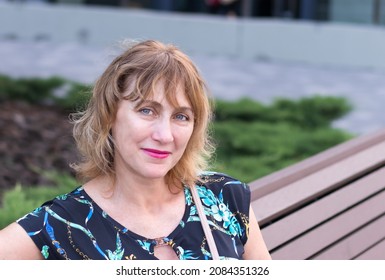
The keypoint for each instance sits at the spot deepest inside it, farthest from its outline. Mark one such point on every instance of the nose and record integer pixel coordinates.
(162, 131)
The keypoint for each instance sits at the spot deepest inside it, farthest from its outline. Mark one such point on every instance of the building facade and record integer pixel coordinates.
(349, 11)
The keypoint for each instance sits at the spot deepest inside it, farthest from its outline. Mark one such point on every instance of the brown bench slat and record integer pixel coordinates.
(310, 187)
(375, 253)
(319, 238)
(356, 243)
(322, 209)
(281, 178)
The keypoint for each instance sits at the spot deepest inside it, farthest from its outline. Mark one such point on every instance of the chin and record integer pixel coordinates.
(155, 171)
(155, 174)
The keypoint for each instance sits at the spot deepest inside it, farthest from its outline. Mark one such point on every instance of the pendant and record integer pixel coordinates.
(161, 241)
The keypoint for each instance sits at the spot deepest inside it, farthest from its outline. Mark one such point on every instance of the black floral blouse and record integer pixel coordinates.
(72, 226)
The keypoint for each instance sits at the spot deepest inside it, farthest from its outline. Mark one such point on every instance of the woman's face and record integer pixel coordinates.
(151, 136)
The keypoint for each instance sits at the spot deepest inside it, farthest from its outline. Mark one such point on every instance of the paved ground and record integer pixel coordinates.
(228, 78)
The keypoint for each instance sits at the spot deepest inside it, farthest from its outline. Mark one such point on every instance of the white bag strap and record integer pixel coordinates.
(205, 224)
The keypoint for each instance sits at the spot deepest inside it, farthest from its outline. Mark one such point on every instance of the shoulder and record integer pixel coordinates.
(226, 187)
(215, 180)
(227, 199)
(15, 244)
(63, 205)
(77, 196)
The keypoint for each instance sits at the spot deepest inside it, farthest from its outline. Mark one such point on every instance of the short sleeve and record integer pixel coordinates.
(235, 196)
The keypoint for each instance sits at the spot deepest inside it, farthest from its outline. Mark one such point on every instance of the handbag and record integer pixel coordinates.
(205, 224)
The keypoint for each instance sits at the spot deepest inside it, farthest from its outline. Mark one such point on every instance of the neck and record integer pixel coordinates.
(131, 204)
(138, 192)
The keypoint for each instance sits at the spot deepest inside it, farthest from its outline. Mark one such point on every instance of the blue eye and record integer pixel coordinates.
(146, 111)
(182, 117)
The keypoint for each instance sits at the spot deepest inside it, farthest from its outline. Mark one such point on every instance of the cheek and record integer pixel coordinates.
(124, 131)
(184, 136)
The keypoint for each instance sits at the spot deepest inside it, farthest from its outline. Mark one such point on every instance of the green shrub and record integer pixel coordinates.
(244, 109)
(74, 97)
(32, 90)
(308, 112)
(52, 91)
(254, 140)
(23, 199)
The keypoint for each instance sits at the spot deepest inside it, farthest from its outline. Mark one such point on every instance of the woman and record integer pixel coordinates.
(144, 142)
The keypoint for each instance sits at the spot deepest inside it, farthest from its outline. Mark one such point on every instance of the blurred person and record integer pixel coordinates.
(230, 8)
(213, 6)
(144, 140)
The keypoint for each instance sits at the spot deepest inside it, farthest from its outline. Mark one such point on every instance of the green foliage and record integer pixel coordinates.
(23, 199)
(33, 90)
(244, 109)
(75, 96)
(53, 91)
(254, 140)
(308, 112)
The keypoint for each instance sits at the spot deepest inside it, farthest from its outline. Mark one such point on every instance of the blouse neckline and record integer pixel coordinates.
(168, 239)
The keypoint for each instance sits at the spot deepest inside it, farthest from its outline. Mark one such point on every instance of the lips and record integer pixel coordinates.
(157, 153)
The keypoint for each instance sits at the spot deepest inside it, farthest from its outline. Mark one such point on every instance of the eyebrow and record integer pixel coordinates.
(158, 105)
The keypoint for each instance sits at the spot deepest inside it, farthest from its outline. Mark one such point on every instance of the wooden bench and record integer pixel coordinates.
(329, 206)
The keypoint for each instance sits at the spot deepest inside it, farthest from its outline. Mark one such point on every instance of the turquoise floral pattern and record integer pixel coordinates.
(118, 253)
(73, 226)
(219, 211)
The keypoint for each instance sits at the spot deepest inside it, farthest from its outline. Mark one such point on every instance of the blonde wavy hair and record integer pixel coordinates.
(133, 75)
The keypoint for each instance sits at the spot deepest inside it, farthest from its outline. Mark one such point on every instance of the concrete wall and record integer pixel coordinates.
(310, 42)
(357, 11)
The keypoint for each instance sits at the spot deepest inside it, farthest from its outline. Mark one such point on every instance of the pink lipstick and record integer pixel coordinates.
(156, 153)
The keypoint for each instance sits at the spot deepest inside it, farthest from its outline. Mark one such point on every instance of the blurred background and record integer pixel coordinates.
(291, 78)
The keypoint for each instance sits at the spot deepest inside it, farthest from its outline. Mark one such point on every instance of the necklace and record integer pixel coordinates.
(162, 241)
